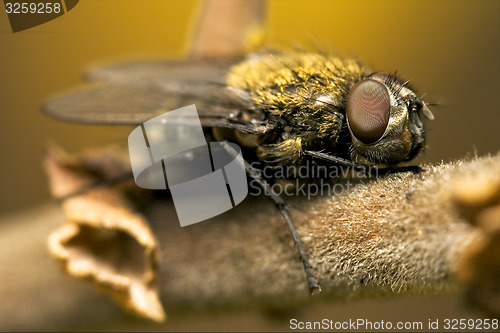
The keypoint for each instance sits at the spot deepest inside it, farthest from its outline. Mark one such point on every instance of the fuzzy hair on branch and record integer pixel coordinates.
(397, 234)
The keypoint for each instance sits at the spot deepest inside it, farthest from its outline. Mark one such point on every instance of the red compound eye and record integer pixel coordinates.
(368, 110)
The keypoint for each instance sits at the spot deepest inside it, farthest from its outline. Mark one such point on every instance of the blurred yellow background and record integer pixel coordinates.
(449, 49)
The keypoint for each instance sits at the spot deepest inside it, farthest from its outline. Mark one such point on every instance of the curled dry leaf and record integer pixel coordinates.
(104, 241)
(478, 199)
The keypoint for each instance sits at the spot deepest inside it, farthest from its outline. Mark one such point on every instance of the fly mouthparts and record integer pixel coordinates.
(426, 112)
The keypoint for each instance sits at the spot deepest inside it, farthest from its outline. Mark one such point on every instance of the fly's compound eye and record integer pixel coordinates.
(368, 110)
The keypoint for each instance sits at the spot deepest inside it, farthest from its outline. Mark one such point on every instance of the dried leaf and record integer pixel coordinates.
(478, 199)
(104, 240)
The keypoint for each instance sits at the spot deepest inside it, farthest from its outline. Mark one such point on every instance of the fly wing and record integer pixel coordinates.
(122, 105)
(147, 73)
(132, 93)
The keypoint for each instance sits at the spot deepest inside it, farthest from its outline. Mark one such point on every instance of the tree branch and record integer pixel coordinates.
(398, 234)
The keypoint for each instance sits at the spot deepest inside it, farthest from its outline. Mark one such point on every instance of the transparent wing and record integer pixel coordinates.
(135, 92)
(122, 105)
(147, 73)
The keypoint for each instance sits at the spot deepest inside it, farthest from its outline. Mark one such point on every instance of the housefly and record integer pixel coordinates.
(283, 108)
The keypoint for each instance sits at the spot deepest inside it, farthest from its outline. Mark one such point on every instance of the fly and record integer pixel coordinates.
(283, 108)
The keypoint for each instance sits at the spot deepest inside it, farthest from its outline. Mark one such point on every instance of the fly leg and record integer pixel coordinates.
(369, 170)
(409, 168)
(282, 207)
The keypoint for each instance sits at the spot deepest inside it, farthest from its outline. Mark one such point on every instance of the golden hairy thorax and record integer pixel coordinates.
(305, 92)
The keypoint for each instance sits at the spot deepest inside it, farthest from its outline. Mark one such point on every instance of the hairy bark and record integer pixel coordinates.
(401, 233)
